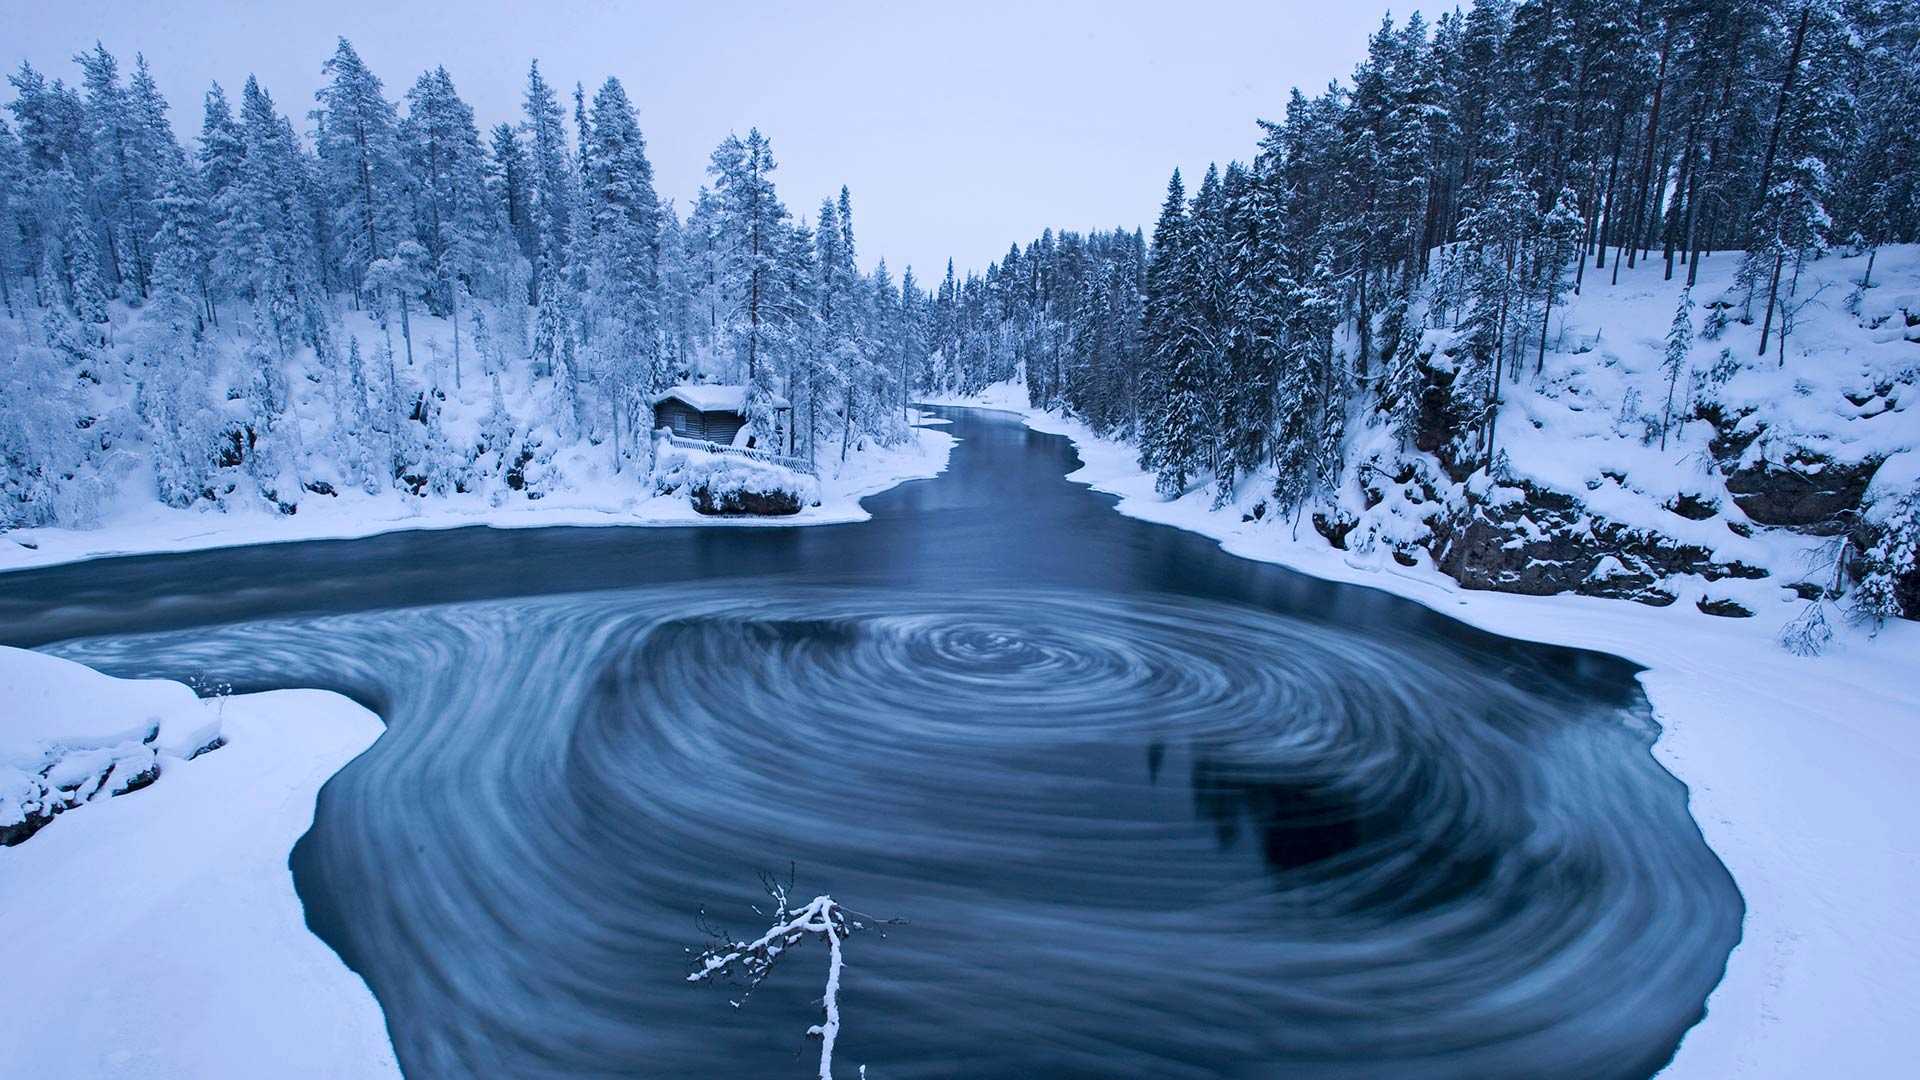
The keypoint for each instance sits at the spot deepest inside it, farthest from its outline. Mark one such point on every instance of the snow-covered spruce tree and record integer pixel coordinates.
(453, 213)
(218, 159)
(364, 461)
(1163, 332)
(1496, 234)
(1403, 388)
(749, 229)
(1881, 193)
(86, 284)
(175, 377)
(552, 185)
(268, 435)
(1812, 111)
(268, 247)
(1319, 306)
(622, 259)
(361, 175)
(1210, 311)
(1679, 344)
(1553, 249)
(509, 184)
(1887, 569)
(13, 199)
(103, 168)
(42, 443)
(497, 427)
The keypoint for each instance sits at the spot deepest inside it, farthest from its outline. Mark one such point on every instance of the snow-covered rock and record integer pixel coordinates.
(162, 930)
(69, 735)
(718, 483)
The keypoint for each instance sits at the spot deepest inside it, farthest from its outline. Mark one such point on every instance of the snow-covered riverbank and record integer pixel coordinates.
(140, 526)
(158, 934)
(1800, 771)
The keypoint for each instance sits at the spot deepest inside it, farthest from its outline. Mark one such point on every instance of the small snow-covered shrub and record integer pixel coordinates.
(732, 484)
(1808, 633)
(1887, 569)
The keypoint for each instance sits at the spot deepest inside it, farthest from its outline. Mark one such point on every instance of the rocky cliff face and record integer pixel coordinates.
(1539, 542)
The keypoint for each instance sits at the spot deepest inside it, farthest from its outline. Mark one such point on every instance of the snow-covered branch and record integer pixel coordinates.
(821, 917)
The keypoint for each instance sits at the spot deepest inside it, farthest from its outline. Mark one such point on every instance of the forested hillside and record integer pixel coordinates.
(360, 294)
(1594, 296)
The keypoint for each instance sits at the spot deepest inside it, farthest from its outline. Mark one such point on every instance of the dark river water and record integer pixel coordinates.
(1149, 809)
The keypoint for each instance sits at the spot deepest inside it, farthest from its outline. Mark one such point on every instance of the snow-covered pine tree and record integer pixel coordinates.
(454, 216)
(1888, 569)
(362, 177)
(264, 216)
(1882, 187)
(552, 182)
(1555, 246)
(103, 169)
(1163, 331)
(1813, 110)
(623, 264)
(80, 246)
(749, 226)
(1679, 344)
(14, 200)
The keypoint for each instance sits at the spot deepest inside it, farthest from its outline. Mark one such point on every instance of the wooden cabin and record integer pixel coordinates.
(716, 412)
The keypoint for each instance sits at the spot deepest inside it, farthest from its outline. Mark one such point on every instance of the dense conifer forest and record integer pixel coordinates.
(1402, 246)
(167, 294)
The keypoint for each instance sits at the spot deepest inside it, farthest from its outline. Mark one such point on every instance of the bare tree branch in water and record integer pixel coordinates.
(822, 917)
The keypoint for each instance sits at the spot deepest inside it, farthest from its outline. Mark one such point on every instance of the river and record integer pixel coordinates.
(1148, 809)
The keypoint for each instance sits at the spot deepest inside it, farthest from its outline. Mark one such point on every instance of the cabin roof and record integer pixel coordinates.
(714, 397)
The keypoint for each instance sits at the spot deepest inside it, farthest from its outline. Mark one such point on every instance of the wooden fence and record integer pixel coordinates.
(799, 465)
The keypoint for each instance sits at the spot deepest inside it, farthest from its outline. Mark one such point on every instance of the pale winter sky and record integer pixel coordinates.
(960, 127)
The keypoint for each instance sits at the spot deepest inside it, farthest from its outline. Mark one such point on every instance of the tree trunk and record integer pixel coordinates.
(1780, 106)
(1613, 174)
(1773, 290)
(1653, 137)
(1680, 229)
(406, 326)
(455, 313)
(613, 409)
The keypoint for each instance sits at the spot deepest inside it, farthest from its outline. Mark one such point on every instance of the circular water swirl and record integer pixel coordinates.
(1133, 836)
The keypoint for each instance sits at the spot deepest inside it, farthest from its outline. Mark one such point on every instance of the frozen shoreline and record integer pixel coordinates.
(1799, 772)
(152, 529)
(160, 929)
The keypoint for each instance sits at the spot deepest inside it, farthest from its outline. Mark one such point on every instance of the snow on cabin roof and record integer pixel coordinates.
(714, 397)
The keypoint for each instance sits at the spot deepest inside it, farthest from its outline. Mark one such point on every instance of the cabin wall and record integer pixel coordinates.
(690, 423)
(721, 427)
(684, 420)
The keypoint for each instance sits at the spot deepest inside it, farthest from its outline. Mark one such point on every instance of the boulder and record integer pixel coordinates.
(1546, 542)
(718, 500)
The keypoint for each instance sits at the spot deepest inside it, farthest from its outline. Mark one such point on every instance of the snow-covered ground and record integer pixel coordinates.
(158, 934)
(138, 524)
(1801, 772)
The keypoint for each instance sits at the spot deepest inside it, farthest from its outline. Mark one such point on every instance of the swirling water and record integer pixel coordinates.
(1150, 810)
